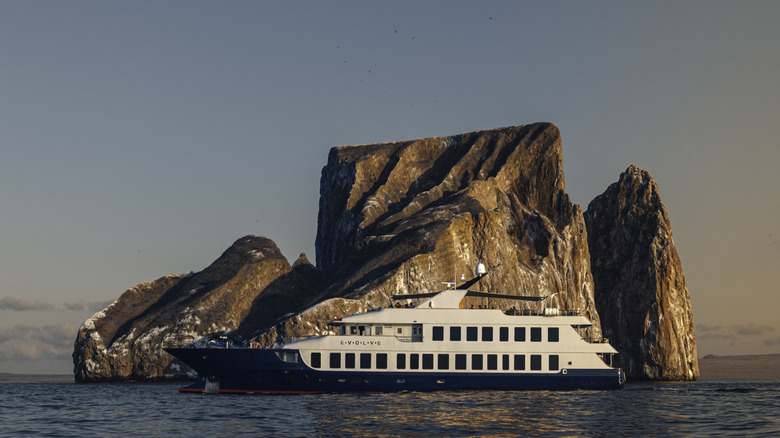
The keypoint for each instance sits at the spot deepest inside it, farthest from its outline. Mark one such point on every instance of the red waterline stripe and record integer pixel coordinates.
(250, 391)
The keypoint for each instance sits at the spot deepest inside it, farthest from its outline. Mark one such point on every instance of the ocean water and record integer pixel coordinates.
(705, 408)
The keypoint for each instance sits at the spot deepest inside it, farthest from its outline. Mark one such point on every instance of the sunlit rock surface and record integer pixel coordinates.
(404, 217)
(250, 281)
(640, 287)
(401, 218)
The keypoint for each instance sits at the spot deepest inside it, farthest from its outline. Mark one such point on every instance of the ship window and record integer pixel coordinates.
(288, 356)
(536, 334)
(554, 362)
(400, 330)
(378, 330)
(487, 334)
(505, 362)
(381, 361)
(460, 361)
(552, 334)
(519, 362)
(503, 334)
(417, 333)
(414, 361)
(352, 330)
(349, 360)
(400, 361)
(476, 361)
(365, 360)
(471, 333)
(536, 362)
(427, 361)
(444, 362)
(519, 334)
(455, 333)
(438, 333)
(492, 362)
(335, 360)
(316, 360)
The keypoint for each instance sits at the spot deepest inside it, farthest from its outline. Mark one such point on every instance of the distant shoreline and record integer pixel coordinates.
(36, 378)
(747, 367)
(711, 367)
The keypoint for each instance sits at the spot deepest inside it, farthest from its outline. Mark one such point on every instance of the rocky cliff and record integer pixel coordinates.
(640, 287)
(396, 218)
(244, 290)
(404, 217)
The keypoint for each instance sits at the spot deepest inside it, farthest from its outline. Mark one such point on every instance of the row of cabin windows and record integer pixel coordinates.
(442, 361)
(472, 334)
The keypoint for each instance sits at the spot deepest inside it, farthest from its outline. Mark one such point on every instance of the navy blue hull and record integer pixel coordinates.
(245, 370)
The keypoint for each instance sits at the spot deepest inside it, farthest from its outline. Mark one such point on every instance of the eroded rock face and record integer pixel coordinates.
(372, 192)
(640, 287)
(125, 341)
(404, 217)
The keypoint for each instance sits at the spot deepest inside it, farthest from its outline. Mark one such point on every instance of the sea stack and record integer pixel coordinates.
(640, 288)
(403, 217)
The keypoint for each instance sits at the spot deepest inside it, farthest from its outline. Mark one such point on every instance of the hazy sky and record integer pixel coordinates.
(143, 138)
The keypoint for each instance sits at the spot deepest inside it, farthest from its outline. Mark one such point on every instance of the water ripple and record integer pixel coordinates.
(689, 409)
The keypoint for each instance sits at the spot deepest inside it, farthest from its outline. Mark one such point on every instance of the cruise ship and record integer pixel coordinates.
(434, 345)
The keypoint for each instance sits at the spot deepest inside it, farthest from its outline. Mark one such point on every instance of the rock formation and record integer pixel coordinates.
(640, 287)
(394, 218)
(404, 217)
(238, 292)
(401, 218)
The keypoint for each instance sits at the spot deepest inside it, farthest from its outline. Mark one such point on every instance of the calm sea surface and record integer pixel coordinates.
(707, 408)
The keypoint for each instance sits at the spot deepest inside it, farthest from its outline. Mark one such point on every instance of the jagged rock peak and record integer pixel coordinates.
(368, 190)
(640, 289)
(249, 248)
(302, 261)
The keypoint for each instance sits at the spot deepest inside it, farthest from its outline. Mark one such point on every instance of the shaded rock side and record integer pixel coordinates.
(404, 217)
(640, 287)
(249, 285)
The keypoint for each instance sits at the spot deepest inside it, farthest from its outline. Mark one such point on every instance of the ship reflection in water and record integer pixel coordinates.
(641, 409)
(465, 414)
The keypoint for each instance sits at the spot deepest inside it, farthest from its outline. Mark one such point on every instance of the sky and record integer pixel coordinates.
(140, 139)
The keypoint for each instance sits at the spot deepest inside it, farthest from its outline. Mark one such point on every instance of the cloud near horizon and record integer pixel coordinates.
(27, 342)
(752, 329)
(21, 305)
(731, 333)
(47, 342)
(771, 342)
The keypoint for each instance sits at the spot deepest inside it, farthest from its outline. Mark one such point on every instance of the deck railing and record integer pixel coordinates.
(412, 338)
(533, 312)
